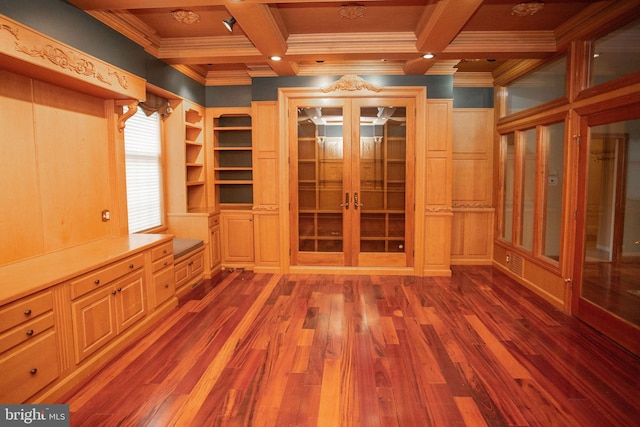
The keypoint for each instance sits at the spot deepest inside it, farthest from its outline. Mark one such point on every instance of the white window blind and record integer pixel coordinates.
(142, 142)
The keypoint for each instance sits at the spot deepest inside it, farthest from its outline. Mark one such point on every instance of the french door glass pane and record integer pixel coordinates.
(611, 260)
(382, 171)
(507, 187)
(320, 179)
(553, 193)
(528, 188)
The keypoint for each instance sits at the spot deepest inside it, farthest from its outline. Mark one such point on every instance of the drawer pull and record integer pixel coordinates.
(97, 281)
(33, 371)
(27, 312)
(166, 286)
(166, 263)
(191, 263)
(164, 251)
(131, 266)
(119, 289)
(113, 292)
(29, 332)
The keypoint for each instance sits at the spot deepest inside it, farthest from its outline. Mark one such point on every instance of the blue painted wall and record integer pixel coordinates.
(68, 24)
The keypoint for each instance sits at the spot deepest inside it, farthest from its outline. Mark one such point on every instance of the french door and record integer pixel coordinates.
(607, 263)
(352, 180)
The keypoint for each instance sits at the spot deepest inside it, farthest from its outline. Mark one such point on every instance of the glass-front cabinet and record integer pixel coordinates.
(353, 179)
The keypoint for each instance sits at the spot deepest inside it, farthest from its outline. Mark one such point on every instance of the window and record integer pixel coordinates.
(142, 144)
(543, 85)
(615, 55)
(532, 173)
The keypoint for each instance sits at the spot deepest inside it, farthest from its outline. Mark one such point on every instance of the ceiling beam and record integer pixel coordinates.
(439, 25)
(263, 27)
(381, 44)
(198, 50)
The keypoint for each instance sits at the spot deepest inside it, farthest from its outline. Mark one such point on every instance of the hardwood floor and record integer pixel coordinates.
(303, 350)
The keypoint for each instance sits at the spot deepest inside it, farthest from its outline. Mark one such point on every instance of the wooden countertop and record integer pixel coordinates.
(31, 275)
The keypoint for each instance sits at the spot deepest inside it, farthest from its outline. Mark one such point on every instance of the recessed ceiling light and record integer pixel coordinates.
(275, 58)
(428, 56)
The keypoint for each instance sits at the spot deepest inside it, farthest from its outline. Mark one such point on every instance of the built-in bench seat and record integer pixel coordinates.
(182, 247)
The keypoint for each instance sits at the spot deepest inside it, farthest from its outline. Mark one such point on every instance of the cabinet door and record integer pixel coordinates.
(215, 257)
(129, 300)
(237, 233)
(94, 322)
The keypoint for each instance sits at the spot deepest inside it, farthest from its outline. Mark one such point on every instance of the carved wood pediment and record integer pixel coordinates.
(351, 83)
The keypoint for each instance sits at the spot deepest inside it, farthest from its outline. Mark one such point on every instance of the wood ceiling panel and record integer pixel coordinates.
(367, 36)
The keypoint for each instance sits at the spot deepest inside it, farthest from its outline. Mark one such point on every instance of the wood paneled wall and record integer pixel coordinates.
(266, 186)
(55, 168)
(473, 209)
(438, 213)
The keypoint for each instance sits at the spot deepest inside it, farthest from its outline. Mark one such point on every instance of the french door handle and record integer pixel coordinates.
(346, 201)
(355, 200)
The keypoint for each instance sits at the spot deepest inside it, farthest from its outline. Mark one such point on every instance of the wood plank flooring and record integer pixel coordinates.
(474, 349)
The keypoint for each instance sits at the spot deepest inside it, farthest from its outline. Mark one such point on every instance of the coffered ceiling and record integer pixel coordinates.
(338, 37)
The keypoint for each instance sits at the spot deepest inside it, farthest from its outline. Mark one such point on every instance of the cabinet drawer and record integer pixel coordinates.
(162, 251)
(164, 285)
(28, 368)
(162, 263)
(25, 309)
(26, 331)
(91, 281)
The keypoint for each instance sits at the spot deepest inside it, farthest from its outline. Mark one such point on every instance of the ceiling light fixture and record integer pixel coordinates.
(228, 23)
(428, 56)
(275, 58)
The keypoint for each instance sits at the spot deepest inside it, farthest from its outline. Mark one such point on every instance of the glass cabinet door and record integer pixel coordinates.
(321, 200)
(349, 187)
(381, 196)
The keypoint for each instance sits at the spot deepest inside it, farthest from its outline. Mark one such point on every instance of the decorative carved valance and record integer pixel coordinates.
(351, 82)
(37, 55)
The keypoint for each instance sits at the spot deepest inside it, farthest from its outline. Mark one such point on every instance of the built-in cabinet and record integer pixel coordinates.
(163, 282)
(189, 271)
(204, 226)
(108, 306)
(28, 350)
(194, 157)
(232, 151)
(192, 212)
(68, 312)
